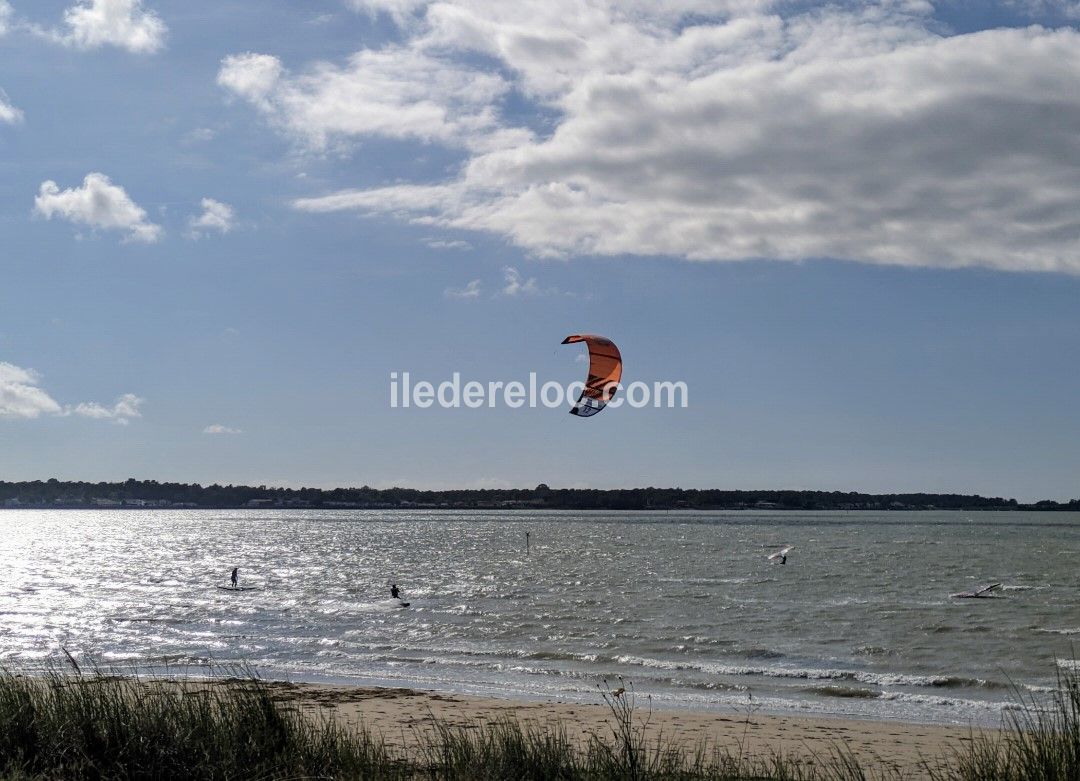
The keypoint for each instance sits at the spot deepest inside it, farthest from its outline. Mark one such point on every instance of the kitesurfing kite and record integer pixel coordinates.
(605, 371)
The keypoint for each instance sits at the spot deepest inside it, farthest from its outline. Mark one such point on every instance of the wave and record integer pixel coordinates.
(947, 702)
(841, 691)
(1046, 631)
(815, 674)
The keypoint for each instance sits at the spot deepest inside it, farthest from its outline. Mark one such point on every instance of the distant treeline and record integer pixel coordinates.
(150, 493)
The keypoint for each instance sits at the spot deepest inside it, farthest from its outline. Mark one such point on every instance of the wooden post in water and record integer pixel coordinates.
(526, 543)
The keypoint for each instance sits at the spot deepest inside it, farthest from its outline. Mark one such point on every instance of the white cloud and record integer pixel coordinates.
(857, 131)
(21, 396)
(400, 10)
(251, 76)
(394, 92)
(216, 216)
(471, 291)
(217, 428)
(122, 411)
(98, 203)
(515, 285)
(92, 24)
(8, 113)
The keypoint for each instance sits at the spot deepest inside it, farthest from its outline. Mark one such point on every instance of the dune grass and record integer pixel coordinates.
(1039, 742)
(99, 725)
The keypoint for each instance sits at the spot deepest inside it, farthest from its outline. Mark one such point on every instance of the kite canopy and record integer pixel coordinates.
(605, 371)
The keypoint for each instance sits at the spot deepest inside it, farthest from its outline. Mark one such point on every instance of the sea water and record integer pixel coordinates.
(684, 605)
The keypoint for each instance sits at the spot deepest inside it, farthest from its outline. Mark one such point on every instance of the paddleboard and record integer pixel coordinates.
(238, 588)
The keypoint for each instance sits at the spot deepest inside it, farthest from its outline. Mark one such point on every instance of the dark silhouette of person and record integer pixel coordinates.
(783, 559)
(394, 591)
(234, 575)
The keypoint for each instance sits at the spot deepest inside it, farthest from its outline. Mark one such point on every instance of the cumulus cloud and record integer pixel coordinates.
(250, 76)
(718, 132)
(98, 203)
(216, 216)
(5, 16)
(91, 24)
(217, 428)
(122, 411)
(8, 113)
(21, 396)
(471, 291)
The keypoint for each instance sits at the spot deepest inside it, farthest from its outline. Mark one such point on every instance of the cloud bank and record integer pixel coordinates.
(99, 204)
(710, 131)
(21, 396)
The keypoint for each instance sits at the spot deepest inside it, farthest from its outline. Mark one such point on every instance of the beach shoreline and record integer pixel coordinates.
(405, 717)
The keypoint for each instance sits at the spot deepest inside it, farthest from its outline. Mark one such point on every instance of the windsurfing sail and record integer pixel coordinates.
(605, 371)
(983, 593)
(782, 553)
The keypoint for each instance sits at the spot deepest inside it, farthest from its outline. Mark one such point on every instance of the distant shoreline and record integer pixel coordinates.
(151, 494)
(79, 507)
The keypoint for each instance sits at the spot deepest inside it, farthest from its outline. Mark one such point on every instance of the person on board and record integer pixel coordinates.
(394, 592)
(235, 576)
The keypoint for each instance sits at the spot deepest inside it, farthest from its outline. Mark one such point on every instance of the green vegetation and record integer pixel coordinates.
(106, 726)
(150, 493)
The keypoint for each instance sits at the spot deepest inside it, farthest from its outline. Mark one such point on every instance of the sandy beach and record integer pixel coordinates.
(404, 716)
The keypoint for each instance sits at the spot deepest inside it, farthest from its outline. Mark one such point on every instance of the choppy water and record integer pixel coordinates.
(858, 623)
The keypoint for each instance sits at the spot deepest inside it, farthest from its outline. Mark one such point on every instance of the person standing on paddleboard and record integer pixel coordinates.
(234, 576)
(394, 592)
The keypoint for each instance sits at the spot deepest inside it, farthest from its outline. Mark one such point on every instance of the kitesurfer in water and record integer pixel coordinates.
(394, 592)
(235, 577)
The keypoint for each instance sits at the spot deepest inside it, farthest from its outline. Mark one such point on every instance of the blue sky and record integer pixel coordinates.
(850, 229)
